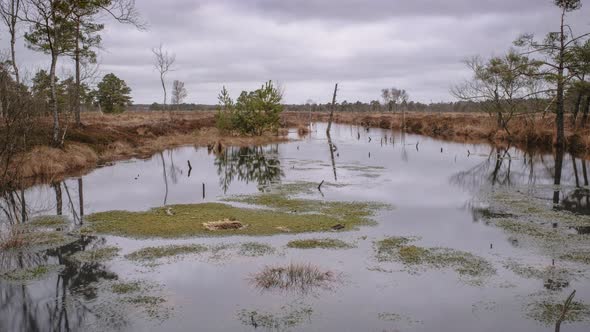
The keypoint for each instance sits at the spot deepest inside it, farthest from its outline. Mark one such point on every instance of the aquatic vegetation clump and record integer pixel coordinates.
(553, 277)
(412, 256)
(319, 243)
(32, 238)
(577, 256)
(153, 306)
(548, 311)
(154, 253)
(253, 249)
(300, 278)
(288, 318)
(530, 218)
(30, 274)
(96, 255)
(388, 248)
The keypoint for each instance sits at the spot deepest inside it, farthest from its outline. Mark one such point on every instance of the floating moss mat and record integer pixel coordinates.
(192, 220)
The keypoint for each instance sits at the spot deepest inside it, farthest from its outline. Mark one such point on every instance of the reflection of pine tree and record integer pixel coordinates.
(260, 165)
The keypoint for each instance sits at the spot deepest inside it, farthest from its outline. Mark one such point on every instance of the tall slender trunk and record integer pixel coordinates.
(584, 172)
(77, 89)
(332, 109)
(15, 8)
(53, 100)
(23, 205)
(585, 111)
(559, 152)
(560, 129)
(577, 177)
(577, 108)
(58, 199)
(81, 199)
(164, 88)
(13, 55)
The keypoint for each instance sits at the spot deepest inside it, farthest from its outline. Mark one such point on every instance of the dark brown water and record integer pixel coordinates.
(434, 187)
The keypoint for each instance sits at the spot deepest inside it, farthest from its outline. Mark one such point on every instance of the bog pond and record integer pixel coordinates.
(366, 230)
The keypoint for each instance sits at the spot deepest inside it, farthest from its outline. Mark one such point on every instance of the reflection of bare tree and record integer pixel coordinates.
(577, 201)
(13, 206)
(77, 219)
(165, 178)
(173, 170)
(332, 149)
(81, 198)
(496, 169)
(57, 303)
(249, 164)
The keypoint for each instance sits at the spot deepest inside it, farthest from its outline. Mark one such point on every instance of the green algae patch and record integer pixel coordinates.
(30, 274)
(388, 249)
(319, 243)
(547, 312)
(96, 255)
(254, 249)
(192, 220)
(126, 287)
(153, 253)
(465, 264)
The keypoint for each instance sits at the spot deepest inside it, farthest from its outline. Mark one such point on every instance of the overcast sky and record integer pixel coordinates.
(308, 45)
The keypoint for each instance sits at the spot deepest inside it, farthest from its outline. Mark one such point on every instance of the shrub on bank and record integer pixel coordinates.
(253, 113)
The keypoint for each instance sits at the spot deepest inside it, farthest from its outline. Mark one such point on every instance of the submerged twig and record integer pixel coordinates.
(566, 307)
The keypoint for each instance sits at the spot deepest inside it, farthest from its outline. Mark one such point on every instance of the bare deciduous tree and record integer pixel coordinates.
(500, 84)
(179, 92)
(9, 13)
(392, 97)
(163, 62)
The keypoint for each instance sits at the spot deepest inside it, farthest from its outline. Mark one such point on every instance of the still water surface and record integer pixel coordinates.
(432, 185)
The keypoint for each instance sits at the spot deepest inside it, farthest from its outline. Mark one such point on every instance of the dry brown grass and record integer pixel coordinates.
(293, 277)
(106, 138)
(13, 238)
(533, 132)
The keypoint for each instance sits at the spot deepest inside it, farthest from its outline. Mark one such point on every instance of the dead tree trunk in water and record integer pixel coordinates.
(332, 109)
(557, 176)
(584, 172)
(81, 199)
(58, 199)
(332, 148)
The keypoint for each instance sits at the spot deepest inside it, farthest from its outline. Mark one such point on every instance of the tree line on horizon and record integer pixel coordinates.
(548, 75)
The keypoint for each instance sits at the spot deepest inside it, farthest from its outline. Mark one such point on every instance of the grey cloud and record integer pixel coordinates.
(308, 45)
